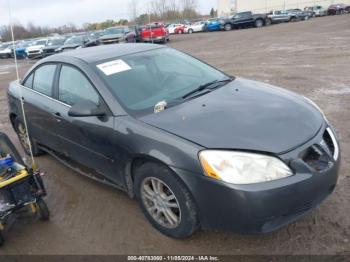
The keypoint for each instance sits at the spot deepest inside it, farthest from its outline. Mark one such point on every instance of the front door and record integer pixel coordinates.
(86, 140)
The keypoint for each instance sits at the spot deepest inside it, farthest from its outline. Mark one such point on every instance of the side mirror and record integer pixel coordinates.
(86, 108)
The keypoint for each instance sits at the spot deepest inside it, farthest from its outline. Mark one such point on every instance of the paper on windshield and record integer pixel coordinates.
(114, 67)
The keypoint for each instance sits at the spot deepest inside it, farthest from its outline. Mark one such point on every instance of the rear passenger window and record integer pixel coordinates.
(75, 87)
(43, 79)
(29, 82)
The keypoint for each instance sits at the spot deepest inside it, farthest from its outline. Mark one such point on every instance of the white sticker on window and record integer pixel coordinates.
(114, 67)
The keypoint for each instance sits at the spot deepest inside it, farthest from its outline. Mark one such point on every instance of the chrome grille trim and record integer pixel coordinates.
(335, 144)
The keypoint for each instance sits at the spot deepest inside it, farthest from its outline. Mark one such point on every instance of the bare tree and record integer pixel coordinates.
(133, 6)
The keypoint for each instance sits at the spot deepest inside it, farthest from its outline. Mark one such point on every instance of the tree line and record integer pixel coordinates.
(155, 10)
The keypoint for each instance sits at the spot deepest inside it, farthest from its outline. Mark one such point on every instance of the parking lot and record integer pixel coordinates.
(311, 58)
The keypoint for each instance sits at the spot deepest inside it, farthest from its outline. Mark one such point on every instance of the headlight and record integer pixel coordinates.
(242, 168)
(316, 106)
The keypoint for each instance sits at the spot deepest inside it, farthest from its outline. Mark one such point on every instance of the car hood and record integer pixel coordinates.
(49, 47)
(35, 47)
(112, 36)
(7, 50)
(71, 46)
(245, 115)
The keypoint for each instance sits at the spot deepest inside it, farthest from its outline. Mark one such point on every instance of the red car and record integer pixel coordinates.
(155, 32)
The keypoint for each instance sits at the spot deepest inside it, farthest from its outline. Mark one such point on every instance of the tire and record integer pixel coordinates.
(268, 22)
(180, 32)
(2, 239)
(259, 23)
(22, 134)
(43, 210)
(154, 182)
(293, 19)
(306, 18)
(227, 27)
(190, 31)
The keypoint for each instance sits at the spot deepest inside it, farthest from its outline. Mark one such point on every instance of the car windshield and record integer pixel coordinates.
(57, 41)
(39, 42)
(112, 31)
(74, 40)
(4, 46)
(140, 81)
(23, 45)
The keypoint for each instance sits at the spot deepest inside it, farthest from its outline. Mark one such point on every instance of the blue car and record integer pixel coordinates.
(21, 49)
(212, 25)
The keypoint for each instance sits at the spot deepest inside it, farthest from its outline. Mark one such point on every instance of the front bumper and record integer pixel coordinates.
(34, 54)
(112, 41)
(154, 39)
(264, 207)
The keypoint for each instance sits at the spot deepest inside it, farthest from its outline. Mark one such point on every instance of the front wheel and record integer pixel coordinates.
(190, 31)
(228, 27)
(165, 201)
(268, 22)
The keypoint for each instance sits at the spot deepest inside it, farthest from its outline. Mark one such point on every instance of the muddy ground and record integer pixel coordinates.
(311, 58)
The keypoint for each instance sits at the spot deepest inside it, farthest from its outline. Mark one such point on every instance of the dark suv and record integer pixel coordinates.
(243, 19)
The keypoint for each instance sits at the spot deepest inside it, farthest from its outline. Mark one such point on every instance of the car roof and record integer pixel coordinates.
(104, 52)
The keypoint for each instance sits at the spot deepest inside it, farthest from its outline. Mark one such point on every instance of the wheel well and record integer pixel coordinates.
(138, 162)
(133, 165)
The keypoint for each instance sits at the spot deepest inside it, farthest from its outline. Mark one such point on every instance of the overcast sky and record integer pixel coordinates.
(59, 12)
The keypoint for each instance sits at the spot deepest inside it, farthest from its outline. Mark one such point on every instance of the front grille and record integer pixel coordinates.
(316, 158)
(49, 51)
(320, 157)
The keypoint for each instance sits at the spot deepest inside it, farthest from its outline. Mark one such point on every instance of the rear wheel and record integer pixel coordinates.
(165, 201)
(190, 31)
(2, 239)
(259, 23)
(23, 139)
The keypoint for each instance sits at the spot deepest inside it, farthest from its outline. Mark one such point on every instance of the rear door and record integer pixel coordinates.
(37, 96)
(243, 18)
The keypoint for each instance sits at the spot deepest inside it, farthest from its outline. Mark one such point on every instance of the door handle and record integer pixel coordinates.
(58, 116)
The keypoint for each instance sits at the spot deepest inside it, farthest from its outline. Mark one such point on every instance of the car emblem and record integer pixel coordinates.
(159, 107)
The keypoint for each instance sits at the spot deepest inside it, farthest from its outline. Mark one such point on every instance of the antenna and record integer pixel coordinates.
(20, 88)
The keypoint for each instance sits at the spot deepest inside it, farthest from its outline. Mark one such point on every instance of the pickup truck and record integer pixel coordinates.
(281, 16)
(155, 32)
(243, 19)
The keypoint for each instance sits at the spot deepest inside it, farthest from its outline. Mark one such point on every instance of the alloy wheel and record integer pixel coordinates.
(23, 137)
(160, 202)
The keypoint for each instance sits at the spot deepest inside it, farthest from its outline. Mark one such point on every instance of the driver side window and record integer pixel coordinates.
(74, 87)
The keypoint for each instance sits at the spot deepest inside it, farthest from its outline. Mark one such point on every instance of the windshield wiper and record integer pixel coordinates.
(207, 87)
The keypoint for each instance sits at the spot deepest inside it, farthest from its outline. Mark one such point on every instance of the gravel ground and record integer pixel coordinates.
(311, 58)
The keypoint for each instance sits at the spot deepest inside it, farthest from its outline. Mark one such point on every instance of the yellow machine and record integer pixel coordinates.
(21, 189)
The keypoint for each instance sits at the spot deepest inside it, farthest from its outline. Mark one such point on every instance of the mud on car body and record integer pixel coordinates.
(196, 147)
